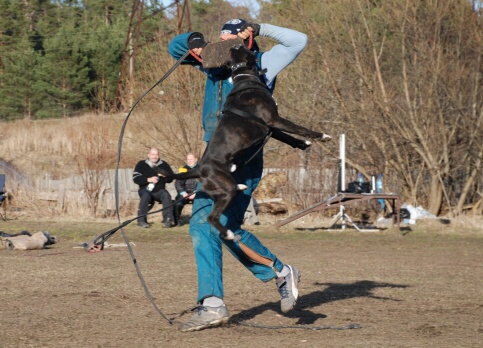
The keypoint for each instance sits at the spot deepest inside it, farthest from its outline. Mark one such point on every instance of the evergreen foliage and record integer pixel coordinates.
(60, 58)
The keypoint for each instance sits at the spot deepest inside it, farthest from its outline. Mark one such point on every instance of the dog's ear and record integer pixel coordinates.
(235, 54)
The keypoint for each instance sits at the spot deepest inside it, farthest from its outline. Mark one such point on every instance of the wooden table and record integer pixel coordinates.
(343, 199)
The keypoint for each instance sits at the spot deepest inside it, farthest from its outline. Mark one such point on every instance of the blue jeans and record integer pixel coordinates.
(207, 243)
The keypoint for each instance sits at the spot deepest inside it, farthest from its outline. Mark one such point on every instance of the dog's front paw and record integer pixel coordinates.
(325, 138)
(241, 187)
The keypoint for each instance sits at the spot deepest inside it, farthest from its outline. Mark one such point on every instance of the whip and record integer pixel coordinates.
(98, 242)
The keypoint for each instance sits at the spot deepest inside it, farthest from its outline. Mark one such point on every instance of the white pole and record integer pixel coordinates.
(342, 162)
(342, 177)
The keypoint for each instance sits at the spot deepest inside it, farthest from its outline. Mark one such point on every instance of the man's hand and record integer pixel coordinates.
(196, 43)
(153, 179)
(189, 196)
(248, 28)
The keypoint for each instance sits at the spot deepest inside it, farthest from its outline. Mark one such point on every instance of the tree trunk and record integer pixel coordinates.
(435, 196)
(469, 184)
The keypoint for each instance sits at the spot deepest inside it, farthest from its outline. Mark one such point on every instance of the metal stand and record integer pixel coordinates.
(341, 215)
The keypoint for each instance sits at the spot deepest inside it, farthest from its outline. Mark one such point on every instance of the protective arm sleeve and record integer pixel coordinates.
(290, 44)
(178, 47)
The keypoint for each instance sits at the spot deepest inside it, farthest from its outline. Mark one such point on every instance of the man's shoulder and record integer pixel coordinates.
(140, 163)
(162, 163)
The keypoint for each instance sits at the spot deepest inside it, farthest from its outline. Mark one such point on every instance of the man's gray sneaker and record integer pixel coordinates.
(288, 288)
(168, 223)
(206, 317)
(143, 224)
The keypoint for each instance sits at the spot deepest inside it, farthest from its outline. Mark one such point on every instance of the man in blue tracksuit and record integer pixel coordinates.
(206, 241)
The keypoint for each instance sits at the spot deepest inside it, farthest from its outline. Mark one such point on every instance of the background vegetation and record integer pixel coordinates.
(401, 78)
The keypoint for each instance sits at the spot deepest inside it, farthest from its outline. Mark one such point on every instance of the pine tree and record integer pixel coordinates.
(17, 93)
(64, 74)
(18, 59)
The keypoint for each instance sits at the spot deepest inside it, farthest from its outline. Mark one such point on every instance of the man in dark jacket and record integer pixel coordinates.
(152, 187)
(185, 188)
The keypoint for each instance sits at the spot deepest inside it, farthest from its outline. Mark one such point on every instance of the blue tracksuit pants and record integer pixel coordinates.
(207, 243)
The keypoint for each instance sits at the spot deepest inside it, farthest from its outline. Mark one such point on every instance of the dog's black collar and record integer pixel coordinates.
(259, 73)
(246, 75)
(240, 65)
(237, 66)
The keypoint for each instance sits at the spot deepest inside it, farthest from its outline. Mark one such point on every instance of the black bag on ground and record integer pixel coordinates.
(404, 213)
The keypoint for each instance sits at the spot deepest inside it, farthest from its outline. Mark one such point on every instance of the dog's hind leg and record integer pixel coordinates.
(290, 140)
(221, 202)
(222, 190)
(285, 125)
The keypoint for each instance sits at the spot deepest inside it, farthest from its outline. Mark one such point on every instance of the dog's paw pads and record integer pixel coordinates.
(241, 187)
(232, 168)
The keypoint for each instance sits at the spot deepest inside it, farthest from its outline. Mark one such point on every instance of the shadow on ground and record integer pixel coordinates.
(332, 292)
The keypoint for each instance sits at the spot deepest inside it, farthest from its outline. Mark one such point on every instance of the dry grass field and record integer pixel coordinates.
(415, 288)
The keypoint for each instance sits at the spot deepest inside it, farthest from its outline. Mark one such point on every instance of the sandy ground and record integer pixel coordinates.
(420, 289)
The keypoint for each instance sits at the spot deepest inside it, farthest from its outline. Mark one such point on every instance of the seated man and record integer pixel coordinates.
(185, 188)
(152, 187)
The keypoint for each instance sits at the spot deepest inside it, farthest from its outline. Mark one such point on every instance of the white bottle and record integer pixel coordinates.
(379, 183)
(150, 186)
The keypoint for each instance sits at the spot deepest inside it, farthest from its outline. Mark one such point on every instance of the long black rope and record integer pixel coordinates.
(116, 190)
(100, 239)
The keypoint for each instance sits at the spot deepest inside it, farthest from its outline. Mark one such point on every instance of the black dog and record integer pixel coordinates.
(249, 117)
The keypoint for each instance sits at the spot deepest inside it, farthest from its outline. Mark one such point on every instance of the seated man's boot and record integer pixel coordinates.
(142, 223)
(168, 223)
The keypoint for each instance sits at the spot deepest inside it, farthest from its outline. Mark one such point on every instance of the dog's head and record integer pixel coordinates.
(242, 58)
(50, 239)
